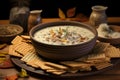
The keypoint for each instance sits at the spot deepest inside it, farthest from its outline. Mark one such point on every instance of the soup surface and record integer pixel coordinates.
(63, 35)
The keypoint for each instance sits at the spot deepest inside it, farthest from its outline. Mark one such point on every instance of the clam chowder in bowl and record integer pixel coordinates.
(63, 35)
(63, 40)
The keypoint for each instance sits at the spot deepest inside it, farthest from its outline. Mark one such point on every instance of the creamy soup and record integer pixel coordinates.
(63, 35)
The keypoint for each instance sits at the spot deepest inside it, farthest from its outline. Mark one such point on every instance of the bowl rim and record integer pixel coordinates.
(9, 35)
(62, 23)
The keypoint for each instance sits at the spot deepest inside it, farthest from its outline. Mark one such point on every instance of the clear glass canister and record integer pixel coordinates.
(98, 15)
(19, 15)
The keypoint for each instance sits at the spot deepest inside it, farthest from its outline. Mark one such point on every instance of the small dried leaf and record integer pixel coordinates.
(23, 73)
(61, 14)
(71, 12)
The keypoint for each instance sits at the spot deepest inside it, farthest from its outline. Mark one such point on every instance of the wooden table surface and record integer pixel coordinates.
(111, 74)
(112, 20)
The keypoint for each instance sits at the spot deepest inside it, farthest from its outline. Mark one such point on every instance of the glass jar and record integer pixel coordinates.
(34, 18)
(19, 15)
(98, 15)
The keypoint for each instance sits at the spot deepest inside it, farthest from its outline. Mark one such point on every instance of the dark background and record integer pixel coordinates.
(50, 7)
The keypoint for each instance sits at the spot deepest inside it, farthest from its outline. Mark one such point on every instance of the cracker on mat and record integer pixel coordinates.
(12, 51)
(75, 66)
(100, 66)
(23, 48)
(97, 61)
(28, 57)
(43, 66)
(17, 40)
(75, 63)
(31, 59)
(25, 37)
(92, 57)
(32, 63)
(58, 66)
(57, 72)
(113, 52)
(53, 68)
(96, 56)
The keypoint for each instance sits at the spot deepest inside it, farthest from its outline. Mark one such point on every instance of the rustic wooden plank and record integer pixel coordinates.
(115, 20)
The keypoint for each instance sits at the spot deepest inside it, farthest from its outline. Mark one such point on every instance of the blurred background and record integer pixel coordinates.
(50, 7)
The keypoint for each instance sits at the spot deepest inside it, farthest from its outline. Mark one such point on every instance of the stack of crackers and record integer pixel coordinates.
(99, 58)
